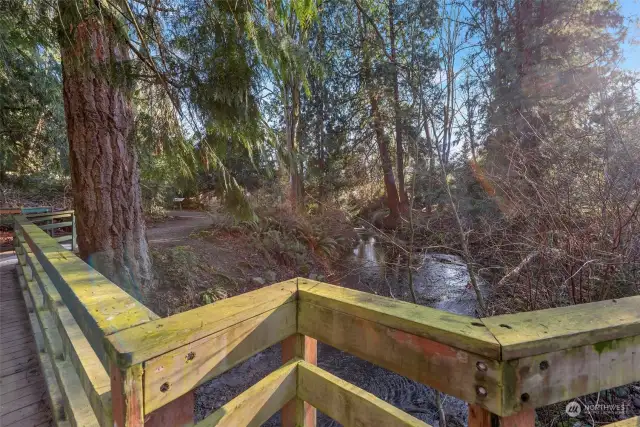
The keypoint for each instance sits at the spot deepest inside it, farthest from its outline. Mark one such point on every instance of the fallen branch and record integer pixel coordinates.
(528, 260)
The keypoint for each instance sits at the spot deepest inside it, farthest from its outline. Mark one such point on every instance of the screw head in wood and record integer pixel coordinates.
(481, 391)
(482, 367)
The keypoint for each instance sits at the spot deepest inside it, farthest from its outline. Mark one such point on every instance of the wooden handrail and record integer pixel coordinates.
(258, 403)
(554, 329)
(36, 217)
(463, 332)
(136, 345)
(60, 330)
(84, 290)
(441, 366)
(504, 365)
(72, 319)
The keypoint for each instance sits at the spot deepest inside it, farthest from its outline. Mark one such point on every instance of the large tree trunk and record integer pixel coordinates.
(321, 118)
(292, 112)
(100, 127)
(396, 106)
(393, 202)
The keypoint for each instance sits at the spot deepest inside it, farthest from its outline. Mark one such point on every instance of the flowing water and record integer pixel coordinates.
(440, 281)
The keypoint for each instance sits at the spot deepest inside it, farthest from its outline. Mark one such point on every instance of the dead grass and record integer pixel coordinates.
(186, 280)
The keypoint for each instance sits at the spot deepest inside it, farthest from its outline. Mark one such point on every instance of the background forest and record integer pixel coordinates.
(498, 136)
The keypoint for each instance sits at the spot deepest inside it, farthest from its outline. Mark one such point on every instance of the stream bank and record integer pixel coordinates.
(440, 280)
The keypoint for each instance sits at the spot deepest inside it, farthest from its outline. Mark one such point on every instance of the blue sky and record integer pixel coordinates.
(631, 11)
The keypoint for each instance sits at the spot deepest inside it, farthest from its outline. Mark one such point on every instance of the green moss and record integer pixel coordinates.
(604, 346)
(509, 381)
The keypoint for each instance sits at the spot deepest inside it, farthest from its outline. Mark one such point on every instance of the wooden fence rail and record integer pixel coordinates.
(108, 360)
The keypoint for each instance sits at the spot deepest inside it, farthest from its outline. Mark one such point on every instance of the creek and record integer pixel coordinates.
(440, 281)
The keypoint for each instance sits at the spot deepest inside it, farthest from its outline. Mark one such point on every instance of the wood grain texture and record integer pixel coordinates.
(177, 372)
(465, 333)
(448, 369)
(23, 389)
(89, 369)
(346, 403)
(155, 338)
(48, 215)
(480, 417)
(544, 331)
(52, 390)
(127, 400)
(179, 412)
(78, 410)
(297, 412)
(257, 404)
(567, 374)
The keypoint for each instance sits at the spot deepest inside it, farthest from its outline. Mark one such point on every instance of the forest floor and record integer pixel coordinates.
(200, 259)
(177, 226)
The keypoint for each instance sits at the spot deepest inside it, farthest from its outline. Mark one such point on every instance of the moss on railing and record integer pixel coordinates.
(504, 365)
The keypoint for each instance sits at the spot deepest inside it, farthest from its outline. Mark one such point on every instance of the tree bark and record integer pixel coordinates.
(100, 126)
(393, 202)
(292, 107)
(321, 119)
(396, 106)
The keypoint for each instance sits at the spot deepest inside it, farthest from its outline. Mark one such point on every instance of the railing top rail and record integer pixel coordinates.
(36, 209)
(37, 216)
(503, 363)
(99, 306)
(502, 337)
(543, 331)
(152, 339)
(10, 211)
(463, 332)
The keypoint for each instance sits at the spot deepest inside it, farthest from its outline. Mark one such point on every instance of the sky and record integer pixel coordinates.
(631, 11)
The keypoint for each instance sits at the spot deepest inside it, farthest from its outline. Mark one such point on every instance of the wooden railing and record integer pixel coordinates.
(109, 360)
(6, 214)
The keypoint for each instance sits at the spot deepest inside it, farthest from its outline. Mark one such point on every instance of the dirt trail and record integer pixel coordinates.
(178, 227)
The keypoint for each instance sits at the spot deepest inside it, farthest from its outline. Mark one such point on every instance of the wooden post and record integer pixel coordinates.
(298, 413)
(480, 417)
(73, 232)
(179, 412)
(26, 268)
(126, 396)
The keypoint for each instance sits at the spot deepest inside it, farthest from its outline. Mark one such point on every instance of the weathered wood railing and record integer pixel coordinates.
(6, 214)
(50, 221)
(47, 220)
(109, 360)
